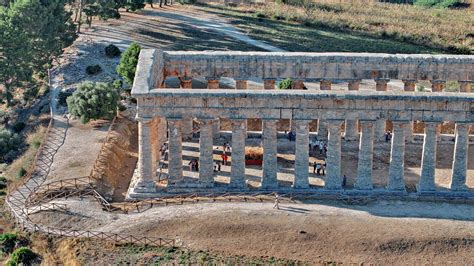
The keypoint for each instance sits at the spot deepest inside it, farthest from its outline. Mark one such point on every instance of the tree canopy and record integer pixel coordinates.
(93, 101)
(128, 63)
(32, 34)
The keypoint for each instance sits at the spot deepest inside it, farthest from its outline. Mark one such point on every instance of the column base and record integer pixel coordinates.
(396, 188)
(269, 186)
(426, 188)
(363, 187)
(138, 186)
(300, 186)
(461, 188)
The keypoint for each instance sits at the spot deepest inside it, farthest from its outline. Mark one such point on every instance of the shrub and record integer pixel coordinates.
(3, 182)
(93, 69)
(21, 173)
(285, 84)
(9, 143)
(260, 15)
(62, 96)
(438, 3)
(117, 84)
(93, 101)
(128, 63)
(7, 242)
(23, 256)
(31, 93)
(112, 51)
(18, 127)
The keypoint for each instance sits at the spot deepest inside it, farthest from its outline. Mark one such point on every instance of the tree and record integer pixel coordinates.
(93, 101)
(134, 5)
(33, 33)
(9, 143)
(128, 63)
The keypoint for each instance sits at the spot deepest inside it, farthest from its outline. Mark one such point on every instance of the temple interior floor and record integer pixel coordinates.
(349, 159)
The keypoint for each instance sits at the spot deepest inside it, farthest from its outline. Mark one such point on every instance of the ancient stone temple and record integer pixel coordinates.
(167, 114)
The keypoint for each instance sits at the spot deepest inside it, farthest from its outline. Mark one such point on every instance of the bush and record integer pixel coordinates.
(285, 84)
(18, 127)
(117, 84)
(93, 101)
(438, 3)
(93, 69)
(22, 172)
(128, 63)
(62, 96)
(112, 51)
(3, 182)
(122, 107)
(9, 143)
(23, 256)
(7, 242)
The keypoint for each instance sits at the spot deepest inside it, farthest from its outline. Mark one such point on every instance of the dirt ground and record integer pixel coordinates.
(380, 232)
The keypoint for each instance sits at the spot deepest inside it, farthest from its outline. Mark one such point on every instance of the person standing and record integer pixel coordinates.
(277, 202)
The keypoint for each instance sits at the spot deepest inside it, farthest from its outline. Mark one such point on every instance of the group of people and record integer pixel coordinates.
(319, 168)
(291, 135)
(320, 145)
(194, 165)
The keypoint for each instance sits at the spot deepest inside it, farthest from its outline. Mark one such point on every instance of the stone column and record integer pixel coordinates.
(298, 84)
(301, 154)
(351, 127)
(270, 166)
(175, 152)
(206, 166)
(438, 85)
(464, 86)
(269, 84)
(379, 127)
(459, 171)
(187, 122)
(239, 134)
(409, 85)
(322, 124)
(333, 160)
(241, 84)
(366, 156)
(213, 84)
(397, 158)
(145, 163)
(428, 159)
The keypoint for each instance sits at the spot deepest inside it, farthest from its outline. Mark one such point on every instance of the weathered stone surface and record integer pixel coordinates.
(180, 106)
(428, 159)
(239, 134)
(318, 65)
(458, 178)
(175, 154)
(269, 178)
(397, 158)
(333, 161)
(301, 154)
(366, 154)
(206, 161)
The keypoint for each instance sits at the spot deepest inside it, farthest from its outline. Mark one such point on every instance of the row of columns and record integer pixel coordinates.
(333, 181)
(351, 126)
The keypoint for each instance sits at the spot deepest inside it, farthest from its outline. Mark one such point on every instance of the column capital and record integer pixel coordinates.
(143, 119)
(409, 80)
(353, 85)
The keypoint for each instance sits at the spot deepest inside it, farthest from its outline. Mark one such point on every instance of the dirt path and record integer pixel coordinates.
(379, 232)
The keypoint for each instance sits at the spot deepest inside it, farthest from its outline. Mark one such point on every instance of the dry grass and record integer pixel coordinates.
(33, 140)
(448, 30)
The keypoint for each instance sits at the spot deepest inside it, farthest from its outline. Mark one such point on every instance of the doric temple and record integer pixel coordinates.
(167, 115)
